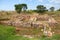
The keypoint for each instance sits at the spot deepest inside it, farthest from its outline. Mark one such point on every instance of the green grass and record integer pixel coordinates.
(7, 33)
(55, 37)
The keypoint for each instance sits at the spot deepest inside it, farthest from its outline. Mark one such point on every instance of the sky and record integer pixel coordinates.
(9, 4)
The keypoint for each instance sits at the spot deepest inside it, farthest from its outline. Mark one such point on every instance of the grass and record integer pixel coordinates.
(7, 33)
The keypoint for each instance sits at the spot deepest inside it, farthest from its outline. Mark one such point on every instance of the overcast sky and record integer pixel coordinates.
(9, 4)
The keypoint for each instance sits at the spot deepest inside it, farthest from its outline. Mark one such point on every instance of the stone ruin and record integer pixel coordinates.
(33, 21)
(29, 20)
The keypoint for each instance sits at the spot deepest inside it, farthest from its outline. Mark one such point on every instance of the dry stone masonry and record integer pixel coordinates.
(34, 21)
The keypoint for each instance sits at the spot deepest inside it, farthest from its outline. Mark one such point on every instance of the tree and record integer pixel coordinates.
(52, 9)
(58, 10)
(20, 7)
(24, 7)
(41, 8)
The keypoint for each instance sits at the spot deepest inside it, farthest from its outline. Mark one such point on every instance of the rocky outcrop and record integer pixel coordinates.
(32, 21)
(29, 20)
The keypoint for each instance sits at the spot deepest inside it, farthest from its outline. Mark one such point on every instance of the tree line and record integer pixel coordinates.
(40, 8)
